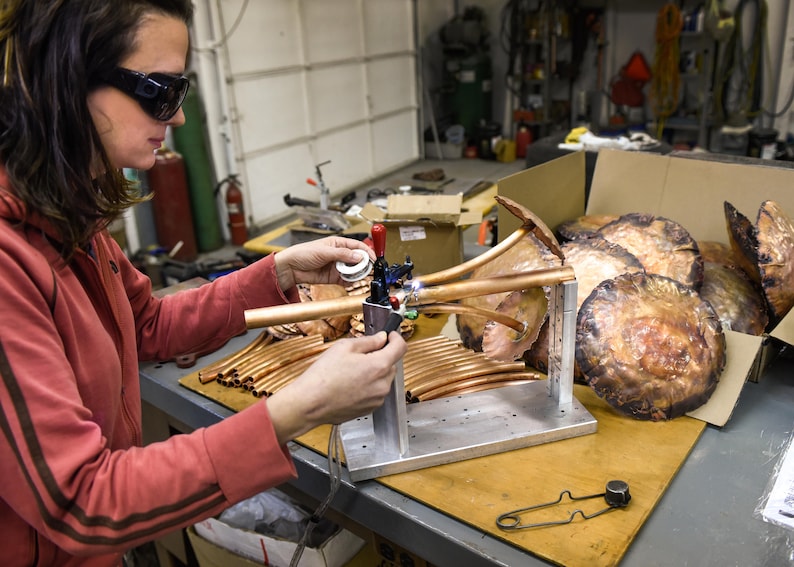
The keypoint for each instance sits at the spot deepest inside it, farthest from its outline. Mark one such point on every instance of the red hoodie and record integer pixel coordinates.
(76, 488)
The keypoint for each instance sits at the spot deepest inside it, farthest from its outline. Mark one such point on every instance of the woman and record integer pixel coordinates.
(89, 87)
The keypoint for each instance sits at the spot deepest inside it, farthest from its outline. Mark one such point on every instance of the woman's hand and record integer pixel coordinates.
(349, 380)
(315, 262)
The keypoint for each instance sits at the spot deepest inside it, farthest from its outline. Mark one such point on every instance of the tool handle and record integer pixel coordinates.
(379, 240)
(393, 322)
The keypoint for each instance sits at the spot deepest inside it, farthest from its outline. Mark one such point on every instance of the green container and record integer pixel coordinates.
(190, 141)
(471, 98)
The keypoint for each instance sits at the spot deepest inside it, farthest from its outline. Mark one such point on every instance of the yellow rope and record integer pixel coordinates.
(666, 80)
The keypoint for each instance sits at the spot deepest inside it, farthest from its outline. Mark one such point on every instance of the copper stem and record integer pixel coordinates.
(489, 314)
(466, 267)
(310, 310)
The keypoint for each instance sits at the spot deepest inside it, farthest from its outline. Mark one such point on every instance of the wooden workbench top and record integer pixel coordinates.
(647, 455)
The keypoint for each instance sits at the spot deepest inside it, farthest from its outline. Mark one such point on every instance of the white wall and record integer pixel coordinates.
(290, 84)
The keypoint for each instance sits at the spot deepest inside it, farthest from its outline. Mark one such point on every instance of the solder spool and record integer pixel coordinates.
(355, 272)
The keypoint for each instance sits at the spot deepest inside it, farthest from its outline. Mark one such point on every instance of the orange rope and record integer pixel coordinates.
(666, 80)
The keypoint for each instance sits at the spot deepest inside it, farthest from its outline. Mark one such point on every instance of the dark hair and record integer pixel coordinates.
(52, 54)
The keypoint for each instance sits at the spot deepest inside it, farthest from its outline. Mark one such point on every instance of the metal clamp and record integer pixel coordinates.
(616, 496)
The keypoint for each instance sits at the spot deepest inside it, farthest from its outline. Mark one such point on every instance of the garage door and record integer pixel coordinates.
(309, 82)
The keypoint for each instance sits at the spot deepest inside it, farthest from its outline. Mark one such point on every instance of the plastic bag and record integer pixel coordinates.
(275, 514)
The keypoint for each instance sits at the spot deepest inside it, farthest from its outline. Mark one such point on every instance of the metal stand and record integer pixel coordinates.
(389, 421)
(462, 427)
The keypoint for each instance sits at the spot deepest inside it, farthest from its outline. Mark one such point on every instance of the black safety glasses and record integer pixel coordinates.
(159, 94)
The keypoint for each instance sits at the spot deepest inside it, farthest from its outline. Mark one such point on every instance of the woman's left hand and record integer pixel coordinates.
(315, 262)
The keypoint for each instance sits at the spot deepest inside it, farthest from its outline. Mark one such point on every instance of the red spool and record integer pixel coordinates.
(173, 218)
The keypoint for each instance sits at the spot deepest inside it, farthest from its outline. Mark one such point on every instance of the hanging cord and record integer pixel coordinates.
(666, 77)
(335, 474)
(737, 92)
(511, 33)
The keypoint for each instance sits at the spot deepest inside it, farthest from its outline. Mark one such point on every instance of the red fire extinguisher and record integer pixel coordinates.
(234, 207)
(523, 139)
(171, 205)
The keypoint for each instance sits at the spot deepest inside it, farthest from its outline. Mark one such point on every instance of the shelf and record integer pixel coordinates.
(537, 53)
(691, 124)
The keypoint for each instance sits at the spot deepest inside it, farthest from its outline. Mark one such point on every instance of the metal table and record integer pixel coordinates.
(706, 517)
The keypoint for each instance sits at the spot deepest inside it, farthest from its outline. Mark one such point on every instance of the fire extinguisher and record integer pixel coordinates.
(234, 207)
(171, 205)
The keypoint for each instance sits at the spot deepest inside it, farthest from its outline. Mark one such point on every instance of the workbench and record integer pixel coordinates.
(285, 234)
(706, 516)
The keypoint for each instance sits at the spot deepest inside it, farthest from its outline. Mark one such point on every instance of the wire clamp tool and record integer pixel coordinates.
(616, 495)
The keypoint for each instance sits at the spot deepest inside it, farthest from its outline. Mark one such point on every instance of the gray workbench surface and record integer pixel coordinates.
(706, 517)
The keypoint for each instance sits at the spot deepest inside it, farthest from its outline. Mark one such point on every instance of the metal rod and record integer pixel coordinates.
(487, 256)
(458, 308)
(311, 310)
(488, 286)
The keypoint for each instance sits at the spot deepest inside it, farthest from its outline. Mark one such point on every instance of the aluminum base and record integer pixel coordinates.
(448, 430)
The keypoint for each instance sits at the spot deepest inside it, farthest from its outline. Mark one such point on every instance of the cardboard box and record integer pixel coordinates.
(428, 228)
(217, 544)
(390, 554)
(691, 192)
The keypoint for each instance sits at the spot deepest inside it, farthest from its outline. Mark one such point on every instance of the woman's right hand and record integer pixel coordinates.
(349, 380)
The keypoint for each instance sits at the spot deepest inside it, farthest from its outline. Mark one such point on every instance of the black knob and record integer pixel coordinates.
(617, 493)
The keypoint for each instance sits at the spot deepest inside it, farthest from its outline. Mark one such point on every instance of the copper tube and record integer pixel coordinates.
(466, 371)
(287, 374)
(240, 381)
(417, 363)
(211, 372)
(281, 359)
(305, 311)
(446, 372)
(276, 350)
(267, 377)
(432, 339)
(480, 383)
(501, 318)
(419, 343)
(220, 365)
(488, 286)
(491, 254)
(259, 342)
(260, 374)
(434, 365)
(467, 383)
(421, 354)
(305, 354)
(418, 348)
(431, 371)
(270, 383)
(238, 374)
